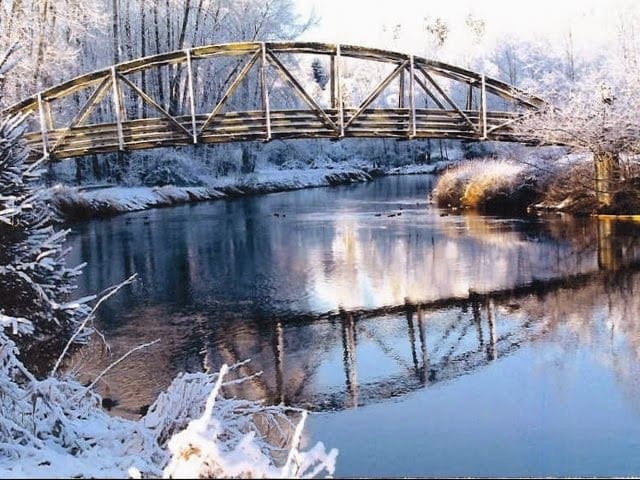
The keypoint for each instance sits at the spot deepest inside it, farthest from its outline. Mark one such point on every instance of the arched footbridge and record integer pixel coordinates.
(265, 91)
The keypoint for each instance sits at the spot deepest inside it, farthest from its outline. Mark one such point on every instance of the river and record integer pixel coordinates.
(427, 342)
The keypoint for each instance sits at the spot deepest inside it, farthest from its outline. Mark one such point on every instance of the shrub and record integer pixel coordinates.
(488, 185)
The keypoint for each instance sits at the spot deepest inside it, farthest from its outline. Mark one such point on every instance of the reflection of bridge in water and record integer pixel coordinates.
(362, 355)
(389, 352)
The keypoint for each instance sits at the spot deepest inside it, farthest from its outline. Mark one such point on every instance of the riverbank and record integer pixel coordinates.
(564, 184)
(81, 203)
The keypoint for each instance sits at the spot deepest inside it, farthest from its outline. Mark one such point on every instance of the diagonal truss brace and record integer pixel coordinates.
(447, 98)
(428, 91)
(301, 91)
(154, 104)
(232, 88)
(98, 94)
(374, 94)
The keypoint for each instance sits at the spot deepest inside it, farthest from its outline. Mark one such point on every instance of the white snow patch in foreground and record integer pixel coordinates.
(56, 428)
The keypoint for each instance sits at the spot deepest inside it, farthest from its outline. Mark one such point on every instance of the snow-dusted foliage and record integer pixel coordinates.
(598, 113)
(35, 283)
(57, 428)
(486, 184)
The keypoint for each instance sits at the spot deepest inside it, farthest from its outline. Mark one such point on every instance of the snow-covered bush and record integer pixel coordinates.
(35, 283)
(486, 184)
(172, 170)
(56, 428)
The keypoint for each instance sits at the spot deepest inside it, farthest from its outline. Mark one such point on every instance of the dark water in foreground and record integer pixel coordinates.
(429, 344)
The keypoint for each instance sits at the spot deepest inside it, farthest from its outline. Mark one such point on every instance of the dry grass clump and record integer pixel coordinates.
(486, 184)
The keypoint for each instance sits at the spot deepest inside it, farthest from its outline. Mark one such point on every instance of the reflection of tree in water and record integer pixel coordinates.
(384, 353)
(237, 284)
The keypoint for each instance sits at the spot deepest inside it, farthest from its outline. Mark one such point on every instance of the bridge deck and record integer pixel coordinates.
(251, 126)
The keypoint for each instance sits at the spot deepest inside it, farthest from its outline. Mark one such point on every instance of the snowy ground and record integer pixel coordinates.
(87, 202)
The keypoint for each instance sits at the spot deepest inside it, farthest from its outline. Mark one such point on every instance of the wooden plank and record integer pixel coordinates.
(161, 126)
(508, 122)
(301, 91)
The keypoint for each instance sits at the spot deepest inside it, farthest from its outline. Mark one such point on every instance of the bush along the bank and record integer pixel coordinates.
(35, 282)
(487, 185)
(570, 189)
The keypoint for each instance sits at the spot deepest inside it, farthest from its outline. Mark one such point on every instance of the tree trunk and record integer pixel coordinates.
(78, 170)
(143, 53)
(115, 21)
(607, 169)
(609, 251)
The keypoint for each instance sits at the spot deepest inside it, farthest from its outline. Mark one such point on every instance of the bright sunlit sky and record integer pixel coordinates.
(361, 22)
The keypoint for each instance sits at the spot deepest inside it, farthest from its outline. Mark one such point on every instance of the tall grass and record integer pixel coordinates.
(486, 184)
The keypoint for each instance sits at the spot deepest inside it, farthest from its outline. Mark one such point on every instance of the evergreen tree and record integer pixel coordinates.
(35, 283)
(319, 73)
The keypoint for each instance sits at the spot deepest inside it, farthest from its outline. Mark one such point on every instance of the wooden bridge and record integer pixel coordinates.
(117, 109)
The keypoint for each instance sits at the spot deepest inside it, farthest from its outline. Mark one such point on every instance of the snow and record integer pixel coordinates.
(56, 428)
(104, 200)
(119, 199)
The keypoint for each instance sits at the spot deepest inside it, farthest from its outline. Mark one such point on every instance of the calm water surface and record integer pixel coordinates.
(429, 343)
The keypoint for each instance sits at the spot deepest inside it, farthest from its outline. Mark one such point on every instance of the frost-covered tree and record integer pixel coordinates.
(52, 34)
(598, 114)
(35, 282)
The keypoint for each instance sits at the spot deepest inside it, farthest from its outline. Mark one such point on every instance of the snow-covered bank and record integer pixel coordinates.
(56, 428)
(562, 183)
(73, 203)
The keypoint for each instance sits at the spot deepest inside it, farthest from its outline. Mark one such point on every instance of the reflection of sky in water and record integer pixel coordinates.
(334, 248)
(541, 382)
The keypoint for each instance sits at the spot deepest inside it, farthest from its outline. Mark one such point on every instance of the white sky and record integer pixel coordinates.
(360, 22)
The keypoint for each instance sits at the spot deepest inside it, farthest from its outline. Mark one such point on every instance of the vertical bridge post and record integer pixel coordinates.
(192, 100)
(412, 102)
(401, 90)
(117, 106)
(337, 89)
(44, 126)
(263, 87)
(483, 106)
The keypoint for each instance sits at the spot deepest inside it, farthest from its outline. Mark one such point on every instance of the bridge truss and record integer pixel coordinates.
(118, 109)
